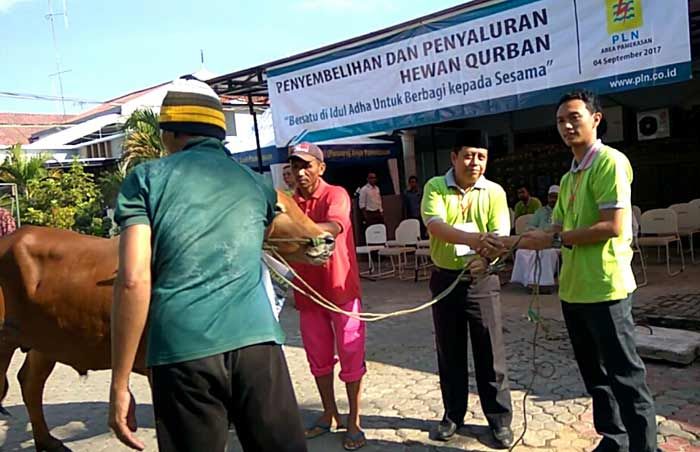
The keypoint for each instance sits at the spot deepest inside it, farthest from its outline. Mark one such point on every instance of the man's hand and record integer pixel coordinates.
(122, 417)
(477, 267)
(536, 240)
(491, 246)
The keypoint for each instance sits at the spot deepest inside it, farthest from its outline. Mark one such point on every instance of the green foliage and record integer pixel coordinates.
(110, 183)
(142, 141)
(67, 200)
(21, 170)
(5, 201)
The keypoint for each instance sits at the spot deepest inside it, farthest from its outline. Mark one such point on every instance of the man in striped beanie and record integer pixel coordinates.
(189, 264)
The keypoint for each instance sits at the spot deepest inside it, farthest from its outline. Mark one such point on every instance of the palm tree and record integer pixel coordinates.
(142, 140)
(19, 169)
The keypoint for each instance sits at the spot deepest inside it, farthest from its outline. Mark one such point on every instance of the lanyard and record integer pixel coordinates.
(465, 208)
(584, 166)
(574, 192)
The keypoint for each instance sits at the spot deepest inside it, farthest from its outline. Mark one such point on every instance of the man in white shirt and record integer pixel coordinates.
(524, 266)
(371, 202)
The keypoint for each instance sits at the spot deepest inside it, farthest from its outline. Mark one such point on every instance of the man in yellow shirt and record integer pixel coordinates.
(464, 208)
(592, 224)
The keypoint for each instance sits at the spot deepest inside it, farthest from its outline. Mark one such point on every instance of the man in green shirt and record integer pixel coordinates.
(543, 217)
(464, 208)
(593, 227)
(527, 204)
(192, 230)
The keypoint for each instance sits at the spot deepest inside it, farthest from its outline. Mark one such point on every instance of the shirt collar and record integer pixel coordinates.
(208, 143)
(451, 182)
(587, 159)
(320, 190)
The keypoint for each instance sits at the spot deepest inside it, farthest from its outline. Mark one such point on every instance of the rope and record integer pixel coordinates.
(493, 267)
(363, 316)
(533, 315)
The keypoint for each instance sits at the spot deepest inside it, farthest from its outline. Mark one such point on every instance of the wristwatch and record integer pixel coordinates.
(557, 242)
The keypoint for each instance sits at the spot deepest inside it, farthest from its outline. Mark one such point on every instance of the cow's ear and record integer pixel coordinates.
(279, 208)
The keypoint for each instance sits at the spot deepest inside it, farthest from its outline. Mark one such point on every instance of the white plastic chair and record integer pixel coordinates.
(407, 236)
(512, 217)
(411, 228)
(375, 239)
(423, 264)
(659, 227)
(636, 249)
(688, 223)
(522, 223)
(637, 214)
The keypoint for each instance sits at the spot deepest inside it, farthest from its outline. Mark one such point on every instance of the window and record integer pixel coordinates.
(99, 150)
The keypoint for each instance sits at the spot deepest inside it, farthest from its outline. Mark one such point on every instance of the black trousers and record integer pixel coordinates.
(602, 336)
(194, 401)
(374, 217)
(473, 310)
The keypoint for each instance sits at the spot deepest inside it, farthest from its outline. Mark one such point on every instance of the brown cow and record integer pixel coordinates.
(56, 295)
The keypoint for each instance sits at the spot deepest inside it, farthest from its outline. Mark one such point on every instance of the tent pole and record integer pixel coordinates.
(434, 146)
(257, 133)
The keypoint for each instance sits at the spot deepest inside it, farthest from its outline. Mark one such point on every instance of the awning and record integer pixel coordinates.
(62, 139)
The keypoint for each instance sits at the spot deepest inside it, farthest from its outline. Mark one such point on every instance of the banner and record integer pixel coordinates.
(331, 153)
(512, 55)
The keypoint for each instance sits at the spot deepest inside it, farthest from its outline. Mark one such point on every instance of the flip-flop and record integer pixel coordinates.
(316, 430)
(354, 441)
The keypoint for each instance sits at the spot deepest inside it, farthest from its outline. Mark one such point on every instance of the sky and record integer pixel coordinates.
(111, 48)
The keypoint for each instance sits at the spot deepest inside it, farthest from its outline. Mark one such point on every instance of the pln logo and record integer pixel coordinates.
(623, 15)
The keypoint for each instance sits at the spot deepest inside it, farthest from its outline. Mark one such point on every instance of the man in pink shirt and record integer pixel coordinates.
(323, 331)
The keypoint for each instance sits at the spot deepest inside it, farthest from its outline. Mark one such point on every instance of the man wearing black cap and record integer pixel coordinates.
(464, 208)
(189, 263)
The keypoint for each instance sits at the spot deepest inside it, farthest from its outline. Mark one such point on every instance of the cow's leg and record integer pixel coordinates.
(32, 377)
(6, 352)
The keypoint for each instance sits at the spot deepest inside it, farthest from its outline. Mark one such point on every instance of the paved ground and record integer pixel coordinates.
(401, 397)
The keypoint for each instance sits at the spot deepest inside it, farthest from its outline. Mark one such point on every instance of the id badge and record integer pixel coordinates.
(465, 250)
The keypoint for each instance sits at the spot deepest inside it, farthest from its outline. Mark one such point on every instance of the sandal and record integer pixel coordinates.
(316, 430)
(354, 441)
(319, 429)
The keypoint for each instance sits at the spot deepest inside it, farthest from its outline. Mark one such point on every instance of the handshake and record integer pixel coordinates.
(492, 246)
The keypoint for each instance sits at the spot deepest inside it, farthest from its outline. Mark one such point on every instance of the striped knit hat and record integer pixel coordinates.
(192, 107)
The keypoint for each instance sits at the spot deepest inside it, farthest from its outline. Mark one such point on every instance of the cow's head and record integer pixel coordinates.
(296, 237)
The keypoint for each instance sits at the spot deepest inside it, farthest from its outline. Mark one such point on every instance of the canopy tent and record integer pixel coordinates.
(344, 152)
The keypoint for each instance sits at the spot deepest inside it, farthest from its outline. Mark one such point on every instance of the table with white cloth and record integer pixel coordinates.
(524, 267)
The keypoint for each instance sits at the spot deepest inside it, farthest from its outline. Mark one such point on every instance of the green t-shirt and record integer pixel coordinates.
(208, 215)
(601, 271)
(443, 200)
(542, 219)
(531, 207)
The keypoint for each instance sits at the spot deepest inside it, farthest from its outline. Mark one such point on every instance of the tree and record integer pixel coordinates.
(142, 141)
(67, 200)
(20, 169)
(110, 183)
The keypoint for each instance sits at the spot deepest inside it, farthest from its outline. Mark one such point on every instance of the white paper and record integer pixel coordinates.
(465, 250)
